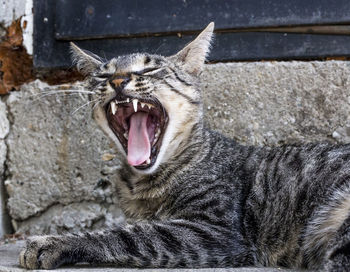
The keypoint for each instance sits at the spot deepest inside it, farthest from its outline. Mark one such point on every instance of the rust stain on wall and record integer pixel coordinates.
(16, 66)
(55, 77)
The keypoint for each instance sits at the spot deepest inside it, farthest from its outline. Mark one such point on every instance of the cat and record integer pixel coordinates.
(194, 198)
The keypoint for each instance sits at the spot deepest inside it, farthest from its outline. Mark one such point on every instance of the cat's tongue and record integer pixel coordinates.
(139, 147)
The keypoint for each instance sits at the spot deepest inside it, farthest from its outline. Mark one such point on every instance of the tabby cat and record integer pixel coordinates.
(194, 198)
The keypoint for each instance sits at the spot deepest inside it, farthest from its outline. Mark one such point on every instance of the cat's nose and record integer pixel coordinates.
(119, 83)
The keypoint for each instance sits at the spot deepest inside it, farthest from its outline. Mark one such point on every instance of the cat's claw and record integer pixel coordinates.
(42, 252)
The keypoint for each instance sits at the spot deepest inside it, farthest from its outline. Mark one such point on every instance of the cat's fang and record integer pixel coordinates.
(126, 135)
(148, 161)
(156, 136)
(113, 107)
(134, 103)
(157, 133)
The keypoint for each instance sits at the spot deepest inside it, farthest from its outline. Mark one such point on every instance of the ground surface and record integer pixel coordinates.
(9, 263)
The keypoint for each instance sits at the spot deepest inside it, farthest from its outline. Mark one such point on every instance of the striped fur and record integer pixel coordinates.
(208, 201)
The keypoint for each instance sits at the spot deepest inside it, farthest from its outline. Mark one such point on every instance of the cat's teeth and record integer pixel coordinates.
(126, 135)
(142, 105)
(148, 161)
(157, 133)
(127, 100)
(149, 106)
(156, 136)
(114, 107)
(134, 103)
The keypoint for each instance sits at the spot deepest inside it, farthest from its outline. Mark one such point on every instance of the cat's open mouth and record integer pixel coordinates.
(140, 127)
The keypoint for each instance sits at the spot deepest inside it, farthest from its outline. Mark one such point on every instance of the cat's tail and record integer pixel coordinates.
(326, 240)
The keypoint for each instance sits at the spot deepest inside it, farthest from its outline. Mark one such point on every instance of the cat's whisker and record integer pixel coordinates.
(157, 85)
(165, 77)
(96, 104)
(84, 105)
(155, 52)
(60, 93)
(80, 91)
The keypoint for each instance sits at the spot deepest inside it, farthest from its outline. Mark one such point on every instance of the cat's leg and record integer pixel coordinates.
(175, 243)
(338, 256)
(48, 251)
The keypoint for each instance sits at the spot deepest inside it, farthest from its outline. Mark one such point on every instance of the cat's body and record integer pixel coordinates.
(269, 201)
(202, 200)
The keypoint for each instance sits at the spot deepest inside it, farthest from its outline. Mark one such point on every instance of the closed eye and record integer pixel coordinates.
(103, 76)
(143, 72)
(147, 71)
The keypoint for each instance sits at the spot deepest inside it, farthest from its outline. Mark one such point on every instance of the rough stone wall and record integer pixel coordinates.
(279, 102)
(11, 13)
(60, 167)
(4, 130)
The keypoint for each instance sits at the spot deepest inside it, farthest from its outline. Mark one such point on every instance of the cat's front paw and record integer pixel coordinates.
(43, 252)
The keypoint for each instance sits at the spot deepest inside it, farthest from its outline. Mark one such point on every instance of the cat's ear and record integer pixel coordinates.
(192, 57)
(85, 61)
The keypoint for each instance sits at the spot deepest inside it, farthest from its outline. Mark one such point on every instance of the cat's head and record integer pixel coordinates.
(147, 104)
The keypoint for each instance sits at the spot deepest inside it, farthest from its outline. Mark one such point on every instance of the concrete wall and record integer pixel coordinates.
(11, 10)
(5, 226)
(60, 167)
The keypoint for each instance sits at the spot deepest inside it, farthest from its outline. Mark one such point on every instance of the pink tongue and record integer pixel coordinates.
(139, 147)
